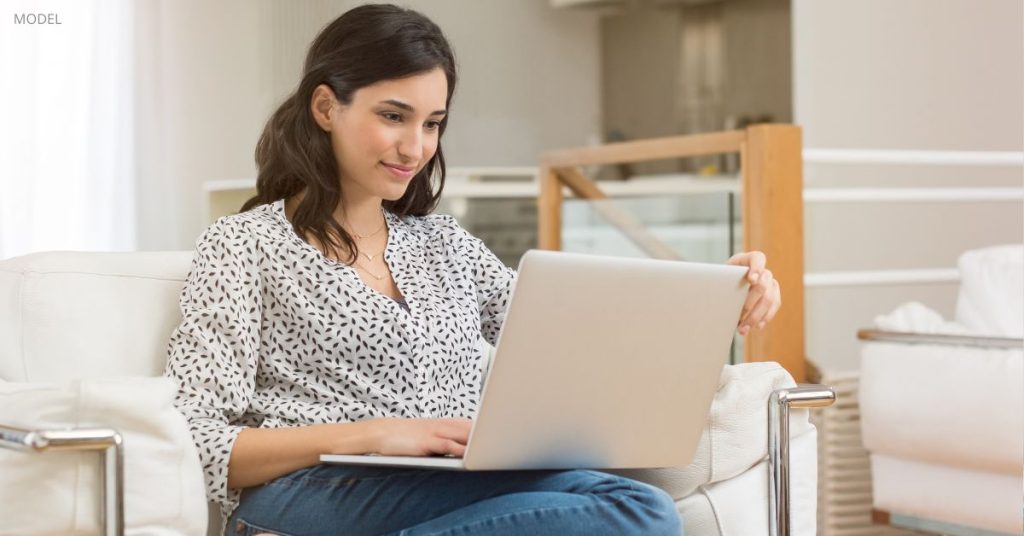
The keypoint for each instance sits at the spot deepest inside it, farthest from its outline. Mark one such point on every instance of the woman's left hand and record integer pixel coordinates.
(764, 297)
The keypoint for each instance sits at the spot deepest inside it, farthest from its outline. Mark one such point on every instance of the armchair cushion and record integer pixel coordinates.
(58, 493)
(946, 405)
(739, 506)
(112, 311)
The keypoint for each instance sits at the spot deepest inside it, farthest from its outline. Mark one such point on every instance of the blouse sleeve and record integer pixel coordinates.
(493, 281)
(212, 354)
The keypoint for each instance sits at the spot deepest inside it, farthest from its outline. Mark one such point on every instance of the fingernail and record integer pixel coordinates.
(761, 325)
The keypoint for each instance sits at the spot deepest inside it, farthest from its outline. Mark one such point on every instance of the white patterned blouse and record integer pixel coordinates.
(276, 334)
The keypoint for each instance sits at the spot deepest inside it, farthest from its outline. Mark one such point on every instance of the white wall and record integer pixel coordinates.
(530, 81)
(204, 76)
(912, 74)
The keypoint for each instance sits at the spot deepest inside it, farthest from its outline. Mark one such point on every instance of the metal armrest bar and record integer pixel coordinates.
(802, 396)
(105, 440)
(939, 338)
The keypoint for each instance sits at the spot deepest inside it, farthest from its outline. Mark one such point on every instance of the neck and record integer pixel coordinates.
(362, 216)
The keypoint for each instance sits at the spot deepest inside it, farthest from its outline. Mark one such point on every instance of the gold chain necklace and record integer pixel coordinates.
(373, 275)
(368, 256)
(382, 226)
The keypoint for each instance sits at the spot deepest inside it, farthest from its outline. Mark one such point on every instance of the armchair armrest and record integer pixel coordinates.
(803, 396)
(938, 338)
(105, 440)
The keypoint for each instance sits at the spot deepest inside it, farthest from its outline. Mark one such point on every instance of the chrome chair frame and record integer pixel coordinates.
(106, 441)
(939, 338)
(779, 403)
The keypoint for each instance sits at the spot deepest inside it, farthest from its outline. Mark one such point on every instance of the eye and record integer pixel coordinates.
(392, 116)
(433, 125)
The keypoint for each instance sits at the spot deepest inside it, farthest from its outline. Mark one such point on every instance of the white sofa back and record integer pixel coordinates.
(113, 313)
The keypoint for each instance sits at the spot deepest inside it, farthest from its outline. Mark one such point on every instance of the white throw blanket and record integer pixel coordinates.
(990, 300)
(916, 317)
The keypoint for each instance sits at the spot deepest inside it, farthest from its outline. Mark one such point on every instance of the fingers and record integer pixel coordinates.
(777, 303)
(757, 275)
(756, 291)
(457, 429)
(756, 260)
(753, 297)
(456, 433)
(756, 317)
(763, 301)
(741, 259)
(440, 445)
(456, 449)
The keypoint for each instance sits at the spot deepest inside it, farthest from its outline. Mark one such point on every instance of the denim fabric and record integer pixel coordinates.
(357, 501)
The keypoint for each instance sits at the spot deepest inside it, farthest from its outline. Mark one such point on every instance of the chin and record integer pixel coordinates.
(394, 194)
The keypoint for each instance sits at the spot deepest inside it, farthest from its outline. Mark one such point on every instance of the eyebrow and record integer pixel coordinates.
(409, 108)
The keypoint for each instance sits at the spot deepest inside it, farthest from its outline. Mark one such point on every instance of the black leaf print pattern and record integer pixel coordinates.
(273, 333)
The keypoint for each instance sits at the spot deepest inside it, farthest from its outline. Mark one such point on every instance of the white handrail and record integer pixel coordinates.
(940, 158)
(913, 157)
(860, 195)
(882, 277)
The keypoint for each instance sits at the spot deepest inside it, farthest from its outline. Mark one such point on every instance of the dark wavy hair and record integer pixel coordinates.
(363, 46)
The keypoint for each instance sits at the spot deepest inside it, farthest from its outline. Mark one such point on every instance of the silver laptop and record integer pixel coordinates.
(602, 362)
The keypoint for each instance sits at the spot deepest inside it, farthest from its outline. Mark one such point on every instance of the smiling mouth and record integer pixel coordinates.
(401, 173)
(403, 169)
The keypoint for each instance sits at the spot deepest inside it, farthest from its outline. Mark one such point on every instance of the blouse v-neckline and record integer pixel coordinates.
(392, 222)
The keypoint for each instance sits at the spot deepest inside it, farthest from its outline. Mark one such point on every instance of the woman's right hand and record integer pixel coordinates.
(420, 437)
(260, 455)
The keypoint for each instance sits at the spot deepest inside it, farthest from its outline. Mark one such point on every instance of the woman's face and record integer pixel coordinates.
(386, 135)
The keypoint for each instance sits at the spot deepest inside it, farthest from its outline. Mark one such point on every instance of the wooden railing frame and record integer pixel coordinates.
(771, 169)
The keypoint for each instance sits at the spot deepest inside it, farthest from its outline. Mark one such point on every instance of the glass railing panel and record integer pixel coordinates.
(700, 227)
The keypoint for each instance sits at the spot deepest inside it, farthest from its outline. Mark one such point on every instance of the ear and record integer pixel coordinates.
(322, 106)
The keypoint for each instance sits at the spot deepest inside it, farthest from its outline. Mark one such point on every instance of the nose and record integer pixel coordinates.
(410, 145)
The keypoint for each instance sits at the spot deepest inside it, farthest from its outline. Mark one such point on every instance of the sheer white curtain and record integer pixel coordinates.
(67, 128)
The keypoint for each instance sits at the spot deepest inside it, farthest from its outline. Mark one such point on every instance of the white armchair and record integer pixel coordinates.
(83, 340)
(942, 405)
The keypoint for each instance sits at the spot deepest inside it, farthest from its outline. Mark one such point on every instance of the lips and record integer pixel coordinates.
(402, 173)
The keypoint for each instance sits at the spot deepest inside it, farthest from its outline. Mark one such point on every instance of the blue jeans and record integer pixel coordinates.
(356, 501)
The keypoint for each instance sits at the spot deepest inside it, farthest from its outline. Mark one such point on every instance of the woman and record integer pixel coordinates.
(335, 314)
